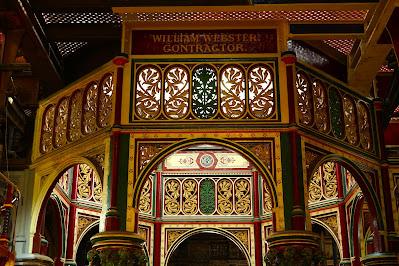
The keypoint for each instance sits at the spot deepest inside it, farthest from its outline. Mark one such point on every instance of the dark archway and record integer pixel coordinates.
(205, 249)
(85, 246)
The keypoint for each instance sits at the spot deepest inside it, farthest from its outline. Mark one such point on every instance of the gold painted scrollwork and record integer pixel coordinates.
(60, 126)
(267, 199)
(242, 236)
(90, 109)
(148, 92)
(330, 180)
(350, 120)
(63, 182)
(145, 198)
(177, 87)
(315, 193)
(190, 198)
(261, 91)
(105, 100)
(304, 99)
(232, 86)
(97, 188)
(83, 182)
(172, 197)
(242, 197)
(225, 196)
(364, 126)
(320, 102)
(46, 144)
(74, 128)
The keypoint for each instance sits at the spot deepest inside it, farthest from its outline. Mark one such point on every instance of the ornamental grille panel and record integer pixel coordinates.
(323, 183)
(335, 112)
(77, 112)
(204, 91)
(89, 187)
(218, 196)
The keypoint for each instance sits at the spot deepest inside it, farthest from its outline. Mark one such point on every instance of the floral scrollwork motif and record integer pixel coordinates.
(148, 92)
(241, 235)
(145, 197)
(46, 143)
(224, 196)
(304, 99)
(232, 87)
(204, 97)
(261, 150)
(173, 235)
(83, 223)
(176, 92)
(267, 199)
(105, 100)
(261, 91)
(172, 197)
(331, 222)
(83, 182)
(60, 126)
(242, 196)
(350, 120)
(74, 127)
(364, 126)
(320, 102)
(330, 180)
(335, 104)
(90, 109)
(315, 193)
(190, 198)
(147, 151)
(97, 188)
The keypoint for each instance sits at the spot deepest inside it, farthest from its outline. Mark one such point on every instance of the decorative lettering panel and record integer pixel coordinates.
(193, 91)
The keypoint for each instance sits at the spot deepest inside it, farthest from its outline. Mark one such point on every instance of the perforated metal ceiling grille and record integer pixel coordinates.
(67, 48)
(343, 46)
(385, 68)
(94, 17)
(302, 15)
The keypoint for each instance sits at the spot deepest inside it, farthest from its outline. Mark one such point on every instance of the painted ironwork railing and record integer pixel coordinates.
(204, 91)
(333, 110)
(79, 110)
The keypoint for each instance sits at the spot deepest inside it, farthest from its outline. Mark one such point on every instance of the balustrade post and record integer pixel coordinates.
(117, 245)
(294, 245)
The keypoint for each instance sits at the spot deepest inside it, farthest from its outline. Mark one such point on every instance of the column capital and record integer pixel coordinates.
(380, 259)
(288, 57)
(120, 60)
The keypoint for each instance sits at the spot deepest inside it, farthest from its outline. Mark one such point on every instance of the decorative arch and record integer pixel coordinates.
(366, 187)
(247, 154)
(45, 192)
(83, 234)
(331, 232)
(221, 232)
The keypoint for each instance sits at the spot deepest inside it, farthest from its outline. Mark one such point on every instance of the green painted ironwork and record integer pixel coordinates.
(207, 196)
(204, 92)
(335, 103)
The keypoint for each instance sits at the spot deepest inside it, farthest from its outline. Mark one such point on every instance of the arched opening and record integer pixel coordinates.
(78, 194)
(205, 186)
(339, 196)
(328, 245)
(207, 249)
(85, 246)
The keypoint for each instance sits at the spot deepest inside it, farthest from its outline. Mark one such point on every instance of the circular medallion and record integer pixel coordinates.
(206, 160)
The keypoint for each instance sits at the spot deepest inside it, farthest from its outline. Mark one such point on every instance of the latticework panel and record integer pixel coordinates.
(211, 91)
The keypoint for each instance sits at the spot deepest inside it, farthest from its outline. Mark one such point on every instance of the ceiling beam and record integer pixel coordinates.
(366, 59)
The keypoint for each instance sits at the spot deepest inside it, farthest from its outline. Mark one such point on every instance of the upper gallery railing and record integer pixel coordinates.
(205, 91)
(79, 110)
(328, 108)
